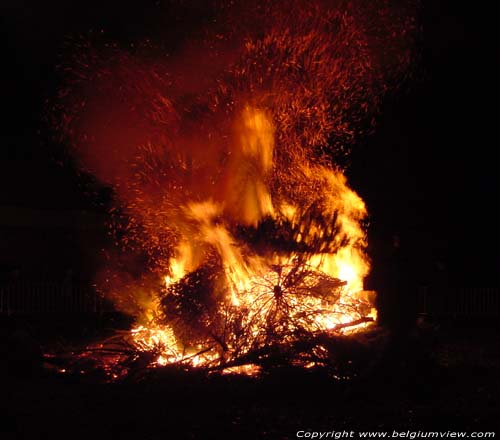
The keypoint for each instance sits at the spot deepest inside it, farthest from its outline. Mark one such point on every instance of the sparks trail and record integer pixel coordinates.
(239, 235)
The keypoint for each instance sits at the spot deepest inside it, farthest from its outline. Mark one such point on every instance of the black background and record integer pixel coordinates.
(428, 175)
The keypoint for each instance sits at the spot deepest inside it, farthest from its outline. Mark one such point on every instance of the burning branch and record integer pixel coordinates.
(225, 185)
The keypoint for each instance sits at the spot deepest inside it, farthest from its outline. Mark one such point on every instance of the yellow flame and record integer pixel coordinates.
(246, 196)
(251, 277)
(179, 265)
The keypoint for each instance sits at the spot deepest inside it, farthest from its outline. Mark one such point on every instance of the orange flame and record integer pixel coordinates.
(227, 173)
(249, 276)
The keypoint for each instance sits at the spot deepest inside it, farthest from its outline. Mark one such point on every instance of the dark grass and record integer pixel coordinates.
(445, 379)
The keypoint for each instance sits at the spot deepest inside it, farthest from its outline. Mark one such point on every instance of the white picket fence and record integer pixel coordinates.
(460, 302)
(32, 297)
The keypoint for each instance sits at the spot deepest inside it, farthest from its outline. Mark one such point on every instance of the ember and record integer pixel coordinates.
(239, 237)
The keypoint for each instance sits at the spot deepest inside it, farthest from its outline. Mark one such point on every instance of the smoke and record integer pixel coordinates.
(246, 116)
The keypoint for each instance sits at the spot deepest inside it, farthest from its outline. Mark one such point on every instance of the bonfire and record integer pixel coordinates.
(239, 243)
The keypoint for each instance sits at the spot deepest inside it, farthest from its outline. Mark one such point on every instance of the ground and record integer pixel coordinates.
(448, 381)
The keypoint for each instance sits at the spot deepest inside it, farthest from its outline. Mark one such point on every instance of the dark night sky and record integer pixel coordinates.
(428, 173)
